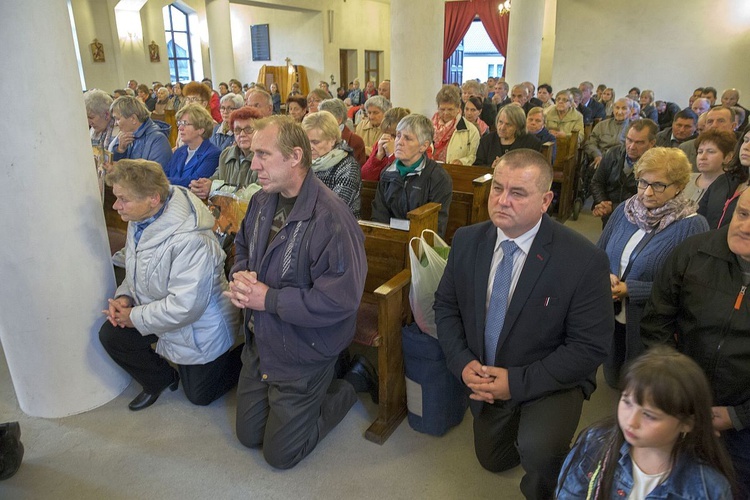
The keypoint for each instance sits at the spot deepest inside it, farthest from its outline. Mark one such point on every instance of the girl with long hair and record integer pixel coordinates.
(662, 443)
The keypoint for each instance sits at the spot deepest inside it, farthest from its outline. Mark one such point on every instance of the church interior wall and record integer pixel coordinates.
(669, 46)
(298, 30)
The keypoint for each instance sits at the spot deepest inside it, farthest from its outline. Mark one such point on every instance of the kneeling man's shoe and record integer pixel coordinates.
(11, 449)
(146, 399)
(363, 377)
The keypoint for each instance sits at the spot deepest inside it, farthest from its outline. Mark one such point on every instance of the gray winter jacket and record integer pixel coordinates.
(175, 277)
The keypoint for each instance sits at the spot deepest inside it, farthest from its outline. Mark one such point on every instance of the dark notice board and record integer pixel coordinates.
(260, 42)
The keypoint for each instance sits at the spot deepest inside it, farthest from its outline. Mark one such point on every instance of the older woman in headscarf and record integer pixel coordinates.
(197, 157)
(413, 179)
(222, 136)
(369, 128)
(172, 292)
(510, 133)
(139, 136)
(456, 140)
(639, 236)
(333, 161)
(102, 128)
(234, 172)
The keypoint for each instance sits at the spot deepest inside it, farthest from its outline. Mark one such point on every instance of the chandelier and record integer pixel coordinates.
(504, 7)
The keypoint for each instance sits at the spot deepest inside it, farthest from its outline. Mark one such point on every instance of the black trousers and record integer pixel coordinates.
(624, 349)
(202, 383)
(288, 419)
(536, 435)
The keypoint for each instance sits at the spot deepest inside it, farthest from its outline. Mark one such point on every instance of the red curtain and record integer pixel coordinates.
(458, 18)
(496, 25)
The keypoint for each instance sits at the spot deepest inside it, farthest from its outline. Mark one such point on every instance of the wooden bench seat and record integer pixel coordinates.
(471, 189)
(385, 309)
(564, 174)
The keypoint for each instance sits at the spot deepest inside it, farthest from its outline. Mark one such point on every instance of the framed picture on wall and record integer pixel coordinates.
(260, 42)
(97, 50)
(153, 52)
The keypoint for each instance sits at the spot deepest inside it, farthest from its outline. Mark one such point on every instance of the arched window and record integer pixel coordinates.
(177, 28)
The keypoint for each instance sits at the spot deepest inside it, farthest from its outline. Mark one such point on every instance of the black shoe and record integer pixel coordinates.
(363, 376)
(146, 399)
(11, 449)
(343, 364)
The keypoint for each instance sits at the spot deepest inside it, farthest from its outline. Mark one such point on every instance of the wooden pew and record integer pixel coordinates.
(385, 305)
(385, 309)
(471, 190)
(117, 229)
(564, 171)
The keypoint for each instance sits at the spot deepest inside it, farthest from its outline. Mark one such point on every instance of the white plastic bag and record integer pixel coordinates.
(427, 267)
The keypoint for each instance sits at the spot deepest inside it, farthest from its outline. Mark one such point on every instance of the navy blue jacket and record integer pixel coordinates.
(204, 163)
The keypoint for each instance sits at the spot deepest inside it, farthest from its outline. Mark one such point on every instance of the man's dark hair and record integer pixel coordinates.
(686, 113)
(546, 86)
(522, 158)
(709, 90)
(639, 125)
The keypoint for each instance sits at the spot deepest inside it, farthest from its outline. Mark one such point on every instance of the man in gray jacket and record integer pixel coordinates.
(299, 277)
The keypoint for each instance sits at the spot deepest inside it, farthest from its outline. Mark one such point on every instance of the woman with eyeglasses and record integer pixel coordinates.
(223, 137)
(233, 172)
(314, 98)
(197, 157)
(638, 237)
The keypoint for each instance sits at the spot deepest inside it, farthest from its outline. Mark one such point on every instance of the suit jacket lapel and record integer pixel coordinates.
(485, 250)
(532, 269)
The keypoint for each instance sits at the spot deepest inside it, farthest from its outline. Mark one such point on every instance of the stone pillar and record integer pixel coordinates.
(220, 41)
(54, 257)
(525, 41)
(416, 53)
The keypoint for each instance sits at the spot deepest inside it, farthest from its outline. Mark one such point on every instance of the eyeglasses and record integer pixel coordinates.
(656, 187)
(226, 109)
(246, 130)
(193, 98)
(183, 123)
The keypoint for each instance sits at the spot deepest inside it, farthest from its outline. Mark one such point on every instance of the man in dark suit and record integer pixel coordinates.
(597, 108)
(524, 316)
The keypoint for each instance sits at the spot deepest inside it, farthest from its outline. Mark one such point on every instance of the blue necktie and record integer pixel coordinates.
(498, 301)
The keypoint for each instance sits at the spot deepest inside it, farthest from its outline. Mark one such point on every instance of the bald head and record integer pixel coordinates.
(730, 97)
(700, 106)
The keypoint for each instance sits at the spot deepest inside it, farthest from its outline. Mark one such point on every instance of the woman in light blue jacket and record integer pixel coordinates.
(172, 292)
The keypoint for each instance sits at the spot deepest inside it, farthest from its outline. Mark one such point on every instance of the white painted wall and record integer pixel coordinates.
(297, 35)
(128, 58)
(670, 46)
(299, 30)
